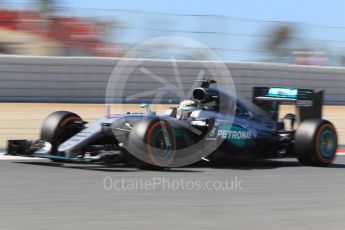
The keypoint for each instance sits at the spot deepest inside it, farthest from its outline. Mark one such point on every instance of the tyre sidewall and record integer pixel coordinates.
(307, 142)
(56, 128)
(141, 141)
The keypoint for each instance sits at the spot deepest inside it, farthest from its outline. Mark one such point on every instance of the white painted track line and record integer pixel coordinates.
(341, 152)
(8, 157)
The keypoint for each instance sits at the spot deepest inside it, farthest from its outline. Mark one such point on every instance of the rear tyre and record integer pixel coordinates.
(59, 127)
(316, 142)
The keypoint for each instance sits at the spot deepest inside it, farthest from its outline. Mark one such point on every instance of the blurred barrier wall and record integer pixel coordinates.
(84, 80)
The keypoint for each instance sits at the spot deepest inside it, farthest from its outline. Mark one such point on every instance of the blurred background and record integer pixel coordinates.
(300, 32)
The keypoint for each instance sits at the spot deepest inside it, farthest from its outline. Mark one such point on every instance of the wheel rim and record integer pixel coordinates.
(162, 145)
(327, 143)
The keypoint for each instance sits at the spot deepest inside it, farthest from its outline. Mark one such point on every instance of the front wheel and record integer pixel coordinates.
(60, 126)
(152, 143)
(316, 142)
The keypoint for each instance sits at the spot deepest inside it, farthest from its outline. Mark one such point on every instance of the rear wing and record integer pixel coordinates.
(308, 103)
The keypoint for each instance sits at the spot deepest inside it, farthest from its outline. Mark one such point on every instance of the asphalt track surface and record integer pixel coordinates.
(270, 194)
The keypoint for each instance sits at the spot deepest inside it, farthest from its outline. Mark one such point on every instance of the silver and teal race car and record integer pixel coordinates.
(212, 125)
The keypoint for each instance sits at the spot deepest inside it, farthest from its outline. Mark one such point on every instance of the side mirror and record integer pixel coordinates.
(208, 122)
(146, 107)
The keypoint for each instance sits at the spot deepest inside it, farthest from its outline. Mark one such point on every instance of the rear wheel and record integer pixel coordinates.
(316, 142)
(60, 126)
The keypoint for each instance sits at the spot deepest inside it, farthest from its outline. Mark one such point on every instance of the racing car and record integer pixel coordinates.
(211, 124)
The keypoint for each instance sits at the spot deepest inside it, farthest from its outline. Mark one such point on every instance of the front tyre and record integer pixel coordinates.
(60, 126)
(316, 142)
(153, 144)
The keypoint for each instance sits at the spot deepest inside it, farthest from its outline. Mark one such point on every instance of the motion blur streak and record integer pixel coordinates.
(46, 28)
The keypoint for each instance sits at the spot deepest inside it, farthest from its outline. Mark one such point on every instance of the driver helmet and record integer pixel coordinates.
(186, 108)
